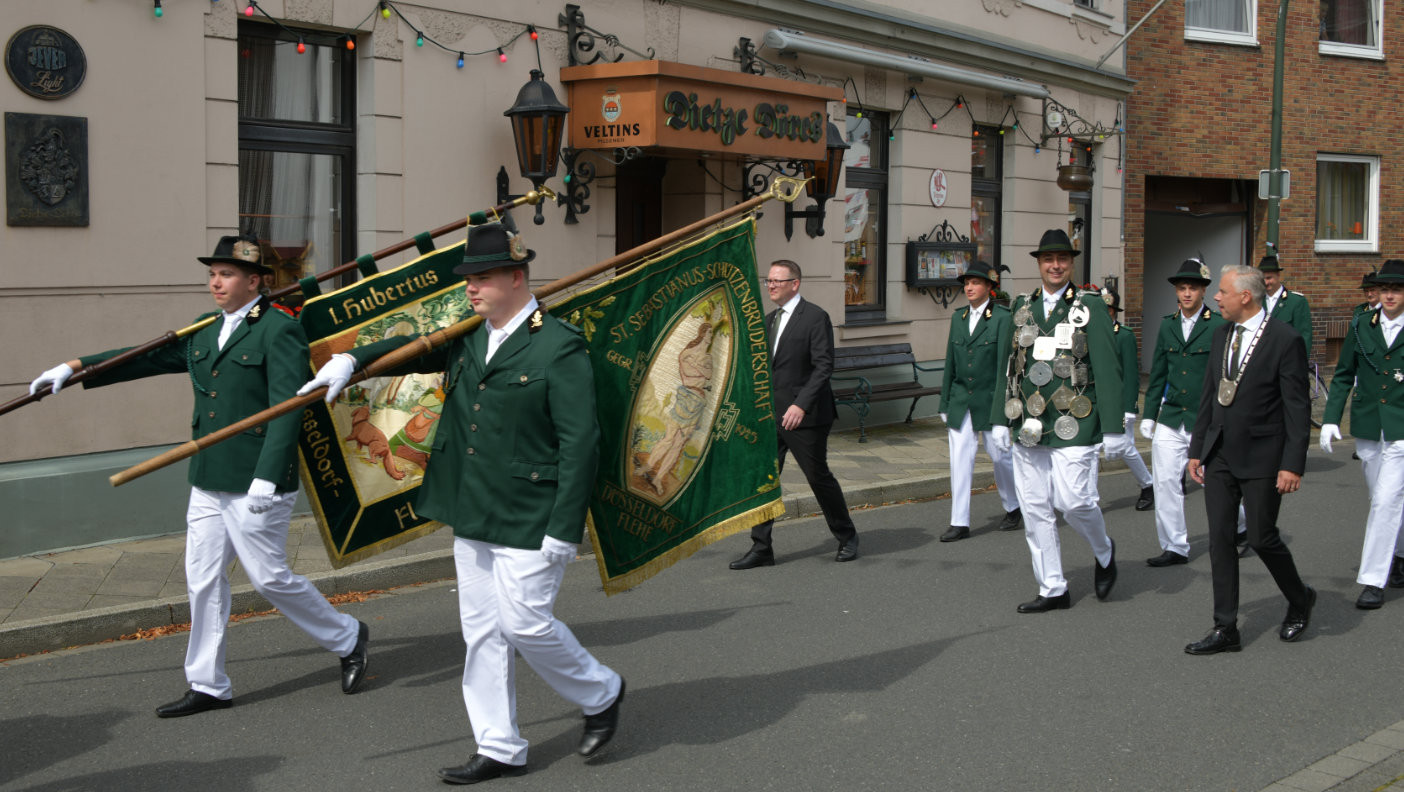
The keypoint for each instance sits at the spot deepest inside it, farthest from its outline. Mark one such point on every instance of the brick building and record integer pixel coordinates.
(1199, 130)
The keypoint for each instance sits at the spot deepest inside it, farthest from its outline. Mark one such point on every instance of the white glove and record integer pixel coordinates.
(557, 551)
(261, 496)
(1128, 420)
(334, 374)
(1002, 440)
(1148, 429)
(943, 419)
(54, 377)
(1329, 432)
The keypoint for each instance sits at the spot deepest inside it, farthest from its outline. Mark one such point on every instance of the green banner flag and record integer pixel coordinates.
(682, 378)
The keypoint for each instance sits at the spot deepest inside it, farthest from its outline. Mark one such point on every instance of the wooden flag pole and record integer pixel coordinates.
(784, 188)
(533, 197)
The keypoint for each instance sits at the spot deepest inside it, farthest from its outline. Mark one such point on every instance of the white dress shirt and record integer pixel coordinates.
(232, 320)
(977, 311)
(1390, 328)
(497, 335)
(786, 311)
(1187, 322)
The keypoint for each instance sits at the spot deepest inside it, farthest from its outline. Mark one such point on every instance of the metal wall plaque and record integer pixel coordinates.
(45, 62)
(46, 170)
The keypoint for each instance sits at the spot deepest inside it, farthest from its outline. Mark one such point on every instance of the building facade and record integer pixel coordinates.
(1199, 126)
(334, 129)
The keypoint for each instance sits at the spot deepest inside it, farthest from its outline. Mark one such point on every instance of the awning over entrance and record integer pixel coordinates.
(674, 106)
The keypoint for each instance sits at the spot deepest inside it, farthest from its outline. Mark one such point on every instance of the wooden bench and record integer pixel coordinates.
(863, 392)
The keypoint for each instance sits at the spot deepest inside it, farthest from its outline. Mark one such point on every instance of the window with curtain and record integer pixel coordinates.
(1227, 21)
(1351, 27)
(865, 218)
(296, 149)
(986, 191)
(1347, 203)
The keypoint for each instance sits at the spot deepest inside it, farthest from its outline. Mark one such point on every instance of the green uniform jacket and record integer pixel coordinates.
(263, 363)
(1294, 310)
(515, 453)
(1377, 374)
(1104, 388)
(973, 362)
(1130, 367)
(1178, 369)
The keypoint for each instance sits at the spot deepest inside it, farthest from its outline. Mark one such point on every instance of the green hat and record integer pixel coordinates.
(490, 246)
(1269, 264)
(980, 269)
(1367, 281)
(1191, 271)
(1055, 240)
(242, 250)
(1392, 271)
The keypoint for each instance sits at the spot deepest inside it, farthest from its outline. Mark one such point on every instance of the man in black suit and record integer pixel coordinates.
(1249, 445)
(801, 360)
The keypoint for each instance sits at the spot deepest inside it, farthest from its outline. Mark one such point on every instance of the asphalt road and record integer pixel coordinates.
(908, 669)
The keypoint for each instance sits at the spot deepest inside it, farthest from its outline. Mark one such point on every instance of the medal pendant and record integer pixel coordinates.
(1081, 407)
(1062, 367)
(1036, 404)
(1019, 360)
(1027, 335)
(1030, 432)
(1045, 348)
(1040, 373)
(1065, 427)
(1079, 315)
(1013, 409)
(1063, 335)
(1079, 375)
(1227, 390)
(1023, 316)
(1062, 398)
(1079, 344)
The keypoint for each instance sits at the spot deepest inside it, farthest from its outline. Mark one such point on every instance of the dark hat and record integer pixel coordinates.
(980, 269)
(1111, 298)
(1392, 271)
(242, 250)
(1192, 271)
(493, 245)
(1367, 281)
(1269, 264)
(1055, 240)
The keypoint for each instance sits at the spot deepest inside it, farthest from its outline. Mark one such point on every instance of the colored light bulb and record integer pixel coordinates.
(933, 124)
(248, 10)
(350, 43)
(531, 30)
(158, 11)
(419, 40)
(460, 60)
(301, 48)
(501, 56)
(385, 11)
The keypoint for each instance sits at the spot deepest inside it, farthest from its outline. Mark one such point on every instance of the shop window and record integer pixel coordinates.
(865, 218)
(1226, 21)
(297, 149)
(1347, 203)
(986, 191)
(1351, 27)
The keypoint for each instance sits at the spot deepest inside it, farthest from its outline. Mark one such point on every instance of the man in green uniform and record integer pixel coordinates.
(977, 347)
(510, 468)
(1060, 390)
(1371, 291)
(1288, 306)
(1370, 364)
(242, 491)
(1172, 401)
(1122, 445)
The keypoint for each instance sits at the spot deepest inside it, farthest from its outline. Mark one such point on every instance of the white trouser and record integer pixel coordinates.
(1169, 454)
(220, 527)
(505, 599)
(1123, 446)
(1383, 463)
(1058, 478)
(963, 441)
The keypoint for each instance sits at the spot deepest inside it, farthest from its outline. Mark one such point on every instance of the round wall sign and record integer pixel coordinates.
(45, 62)
(938, 187)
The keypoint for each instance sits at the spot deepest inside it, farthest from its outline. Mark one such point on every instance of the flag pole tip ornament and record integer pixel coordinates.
(242, 250)
(493, 245)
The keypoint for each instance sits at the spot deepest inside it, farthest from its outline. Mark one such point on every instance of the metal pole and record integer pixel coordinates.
(1275, 166)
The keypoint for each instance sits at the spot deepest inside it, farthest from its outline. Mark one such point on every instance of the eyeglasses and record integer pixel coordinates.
(775, 281)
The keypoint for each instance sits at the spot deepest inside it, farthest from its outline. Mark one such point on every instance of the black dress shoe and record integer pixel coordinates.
(1241, 540)
(1371, 598)
(1104, 577)
(1167, 558)
(755, 557)
(191, 703)
(847, 551)
(1396, 573)
(1147, 500)
(353, 666)
(480, 768)
(1297, 620)
(1219, 639)
(1042, 604)
(1012, 520)
(599, 728)
(956, 533)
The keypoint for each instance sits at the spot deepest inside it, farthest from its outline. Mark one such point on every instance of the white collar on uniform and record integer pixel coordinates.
(243, 312)
(1251, 326)
(790, 306)
(517, 319)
